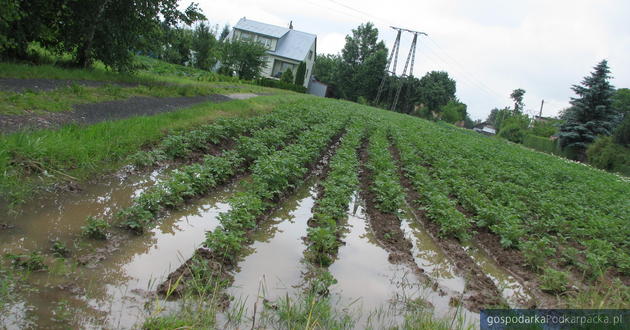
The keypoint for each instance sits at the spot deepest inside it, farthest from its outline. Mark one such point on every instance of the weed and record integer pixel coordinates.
(30, 262)
(59, 249)
(554, 281)
(95, 228)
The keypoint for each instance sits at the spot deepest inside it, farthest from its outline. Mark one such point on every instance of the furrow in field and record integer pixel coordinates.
(480, 290)
(273, 178)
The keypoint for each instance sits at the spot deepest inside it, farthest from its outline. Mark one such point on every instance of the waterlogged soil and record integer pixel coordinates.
(274, 266)
(115, 291)
(376, 291)
(92, 113)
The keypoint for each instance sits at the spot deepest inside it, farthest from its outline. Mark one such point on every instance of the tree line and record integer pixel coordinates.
(356, 73)
(594, 129)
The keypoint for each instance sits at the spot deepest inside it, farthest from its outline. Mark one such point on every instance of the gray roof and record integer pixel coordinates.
(292, 44)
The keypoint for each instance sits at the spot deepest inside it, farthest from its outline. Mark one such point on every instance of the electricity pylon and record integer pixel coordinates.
(394, 56)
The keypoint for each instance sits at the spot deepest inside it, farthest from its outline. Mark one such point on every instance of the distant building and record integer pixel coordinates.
(286, 47)
(485, 128)
(317, 88)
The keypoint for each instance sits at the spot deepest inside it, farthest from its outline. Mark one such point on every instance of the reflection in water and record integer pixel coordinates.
(513, 292)
(114, 292)
(430, 257)
(369, 285)
(274, 267)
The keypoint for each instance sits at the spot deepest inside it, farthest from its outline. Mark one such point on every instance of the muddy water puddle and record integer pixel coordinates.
(429, 256)
(113, 293)
(511, 289)
(274, 265)
(376, 291)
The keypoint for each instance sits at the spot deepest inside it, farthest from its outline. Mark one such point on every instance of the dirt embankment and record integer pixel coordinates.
(479, 291)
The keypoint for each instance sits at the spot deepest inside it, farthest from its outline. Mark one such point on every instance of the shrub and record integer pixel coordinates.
(267, 82)
(541, 144)
(607, 155)
(621, 134)
(287, 76)
(95, 228)
(31, 262)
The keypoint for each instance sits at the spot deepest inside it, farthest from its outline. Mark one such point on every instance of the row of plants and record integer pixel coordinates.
(385, 181)
(273, 175)
(433, 193)
(336, 192)
(537, 203)
(197, 179)
(181, 145)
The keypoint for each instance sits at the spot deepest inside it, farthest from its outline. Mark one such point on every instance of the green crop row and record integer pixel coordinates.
(182, 145)
(337, 189)
(544, 206)
(197, 179)
(272, 176)
(433, 193)
(385, 181)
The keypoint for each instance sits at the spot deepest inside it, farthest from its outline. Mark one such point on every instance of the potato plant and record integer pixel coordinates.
(273, 175)
(337, 189)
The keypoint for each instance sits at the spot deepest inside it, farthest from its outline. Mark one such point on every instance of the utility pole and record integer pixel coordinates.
(394, 55)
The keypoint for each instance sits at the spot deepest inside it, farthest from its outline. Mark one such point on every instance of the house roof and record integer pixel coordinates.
(292, 44)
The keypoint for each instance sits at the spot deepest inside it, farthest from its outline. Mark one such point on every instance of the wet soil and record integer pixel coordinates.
(92, 113)
(515, 263)
(225, 270)
(480, 290)
(386, 227)
(43, 84)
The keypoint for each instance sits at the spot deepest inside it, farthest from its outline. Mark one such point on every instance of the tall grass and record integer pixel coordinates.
(76, 152)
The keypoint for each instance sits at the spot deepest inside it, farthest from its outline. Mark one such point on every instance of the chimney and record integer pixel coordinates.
(291, 25)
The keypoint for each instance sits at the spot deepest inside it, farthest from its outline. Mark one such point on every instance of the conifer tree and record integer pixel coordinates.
(591, 113)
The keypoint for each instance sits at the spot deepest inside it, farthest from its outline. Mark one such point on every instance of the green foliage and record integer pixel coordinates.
(541, 144)
(536, 252)
(454, 111)
(514, 128)
(300, 74)
(30, 262)
(621, 135)
(363, 60)
(95, 228)
(621, 101)
(609, 156)
(59, 249)
(517, 96)
(591, 113)
(554, 281)
(544, 128)
(385, 181)
(497, 117)
(244, 58)
(267, 82)
(436, 90)
(287, 76)
(205, 46)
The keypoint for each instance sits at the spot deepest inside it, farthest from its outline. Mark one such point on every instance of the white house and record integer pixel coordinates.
(286, 47)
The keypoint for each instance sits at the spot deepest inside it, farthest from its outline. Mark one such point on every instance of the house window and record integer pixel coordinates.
(310, 55)
(280, 66)
(246, 36)
(264, 41)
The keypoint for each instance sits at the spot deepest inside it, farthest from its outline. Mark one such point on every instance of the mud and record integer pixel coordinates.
(386, 227)
(513, 261)
(480, 290)
(225, 270)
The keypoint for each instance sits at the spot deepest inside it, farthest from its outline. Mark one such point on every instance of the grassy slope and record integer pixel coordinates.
(39, 158)
(156, 78)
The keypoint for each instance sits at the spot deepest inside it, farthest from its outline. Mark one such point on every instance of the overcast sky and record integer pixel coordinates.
(489, 47)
